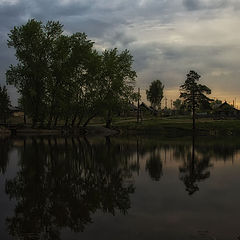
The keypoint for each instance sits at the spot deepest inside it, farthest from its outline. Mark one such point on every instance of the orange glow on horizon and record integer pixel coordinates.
(173, 94)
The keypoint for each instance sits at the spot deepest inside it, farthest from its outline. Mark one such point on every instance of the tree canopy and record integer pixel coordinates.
(177, 104)
(62, 77)
(193, 93)
(155, 94)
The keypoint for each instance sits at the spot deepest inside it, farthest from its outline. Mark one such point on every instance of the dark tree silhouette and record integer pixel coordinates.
(155, 94)
(4, 151)
(194, 170)
(4, 104)
(62, 77)
(193, 93)
(154, 167)
(62, 185)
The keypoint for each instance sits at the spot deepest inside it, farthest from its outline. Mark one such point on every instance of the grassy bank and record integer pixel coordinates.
(170, 126)
(178, 126)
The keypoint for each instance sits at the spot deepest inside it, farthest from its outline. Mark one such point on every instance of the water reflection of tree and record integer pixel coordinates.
(62, 185)
(222, 151)
(154, 165)
(194, 169)
(4, 151)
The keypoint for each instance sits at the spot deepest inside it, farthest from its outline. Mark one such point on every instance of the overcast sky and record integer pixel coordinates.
(167, 38)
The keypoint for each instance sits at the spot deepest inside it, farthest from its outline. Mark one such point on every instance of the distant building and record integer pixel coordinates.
(145, 108)
(16, 111)
(226, 110)
(132, 107)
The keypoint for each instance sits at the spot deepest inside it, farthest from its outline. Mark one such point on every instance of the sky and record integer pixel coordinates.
(167, 38)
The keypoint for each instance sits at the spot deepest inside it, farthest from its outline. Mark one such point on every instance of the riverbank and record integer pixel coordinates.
(179, 127)
(59, 131)
(152, 126)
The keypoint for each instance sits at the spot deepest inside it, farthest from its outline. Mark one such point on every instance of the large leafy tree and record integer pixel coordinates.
(85, 62)
(4, 104)
(32, 42)
(155, 94)
(193, 93)
(68, 84)
(51, 71)
(116, 86)
(62, 77)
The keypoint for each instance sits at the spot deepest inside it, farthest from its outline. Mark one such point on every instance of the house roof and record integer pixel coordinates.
(143, 105)
(132, 106)
(14, 109)
(226, 107)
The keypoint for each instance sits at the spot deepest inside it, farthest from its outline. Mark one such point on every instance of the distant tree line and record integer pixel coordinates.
(63, 77)
(192, 95)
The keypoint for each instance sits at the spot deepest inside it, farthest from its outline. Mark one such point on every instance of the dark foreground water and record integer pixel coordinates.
(119, 188)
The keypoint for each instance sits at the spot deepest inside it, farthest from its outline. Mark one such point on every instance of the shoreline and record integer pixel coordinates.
(61, 131)
(161, 127)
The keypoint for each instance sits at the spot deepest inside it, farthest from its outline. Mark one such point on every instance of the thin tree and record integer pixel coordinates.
(4, 104)
(193, 94)
(177, 104)
(155, 94)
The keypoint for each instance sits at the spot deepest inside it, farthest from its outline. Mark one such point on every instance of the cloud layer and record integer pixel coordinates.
(166, 38)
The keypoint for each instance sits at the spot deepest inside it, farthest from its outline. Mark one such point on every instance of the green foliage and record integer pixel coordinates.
(4, 104)
(116, 82)
(33, 44)
(193, 93)
(177, 104)
(155, 94)
(63, 77)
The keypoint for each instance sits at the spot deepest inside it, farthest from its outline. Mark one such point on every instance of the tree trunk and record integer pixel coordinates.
(109, 120)
(24, 118)
(79, 121)
(108, 123)
(193, 119)
(193, 110)
(42, 123)
(34, 122)
(88, 120)
(108, 141)
(55, 121)
(74, 119)
(66, 122)
(50, 121)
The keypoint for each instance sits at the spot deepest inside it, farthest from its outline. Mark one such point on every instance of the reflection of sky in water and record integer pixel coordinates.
(159, 209)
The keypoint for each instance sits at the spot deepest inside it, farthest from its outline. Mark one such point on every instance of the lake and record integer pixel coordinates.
(139, 187)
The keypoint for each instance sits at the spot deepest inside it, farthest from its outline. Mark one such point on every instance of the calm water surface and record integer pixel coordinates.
(119, 188)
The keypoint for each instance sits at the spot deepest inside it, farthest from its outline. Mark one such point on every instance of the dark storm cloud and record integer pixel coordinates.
(191, 4)
(6, 57)
(166, 38)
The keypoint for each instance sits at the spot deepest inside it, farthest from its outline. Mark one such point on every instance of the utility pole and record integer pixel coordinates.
(138, 111)
(165, 102)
